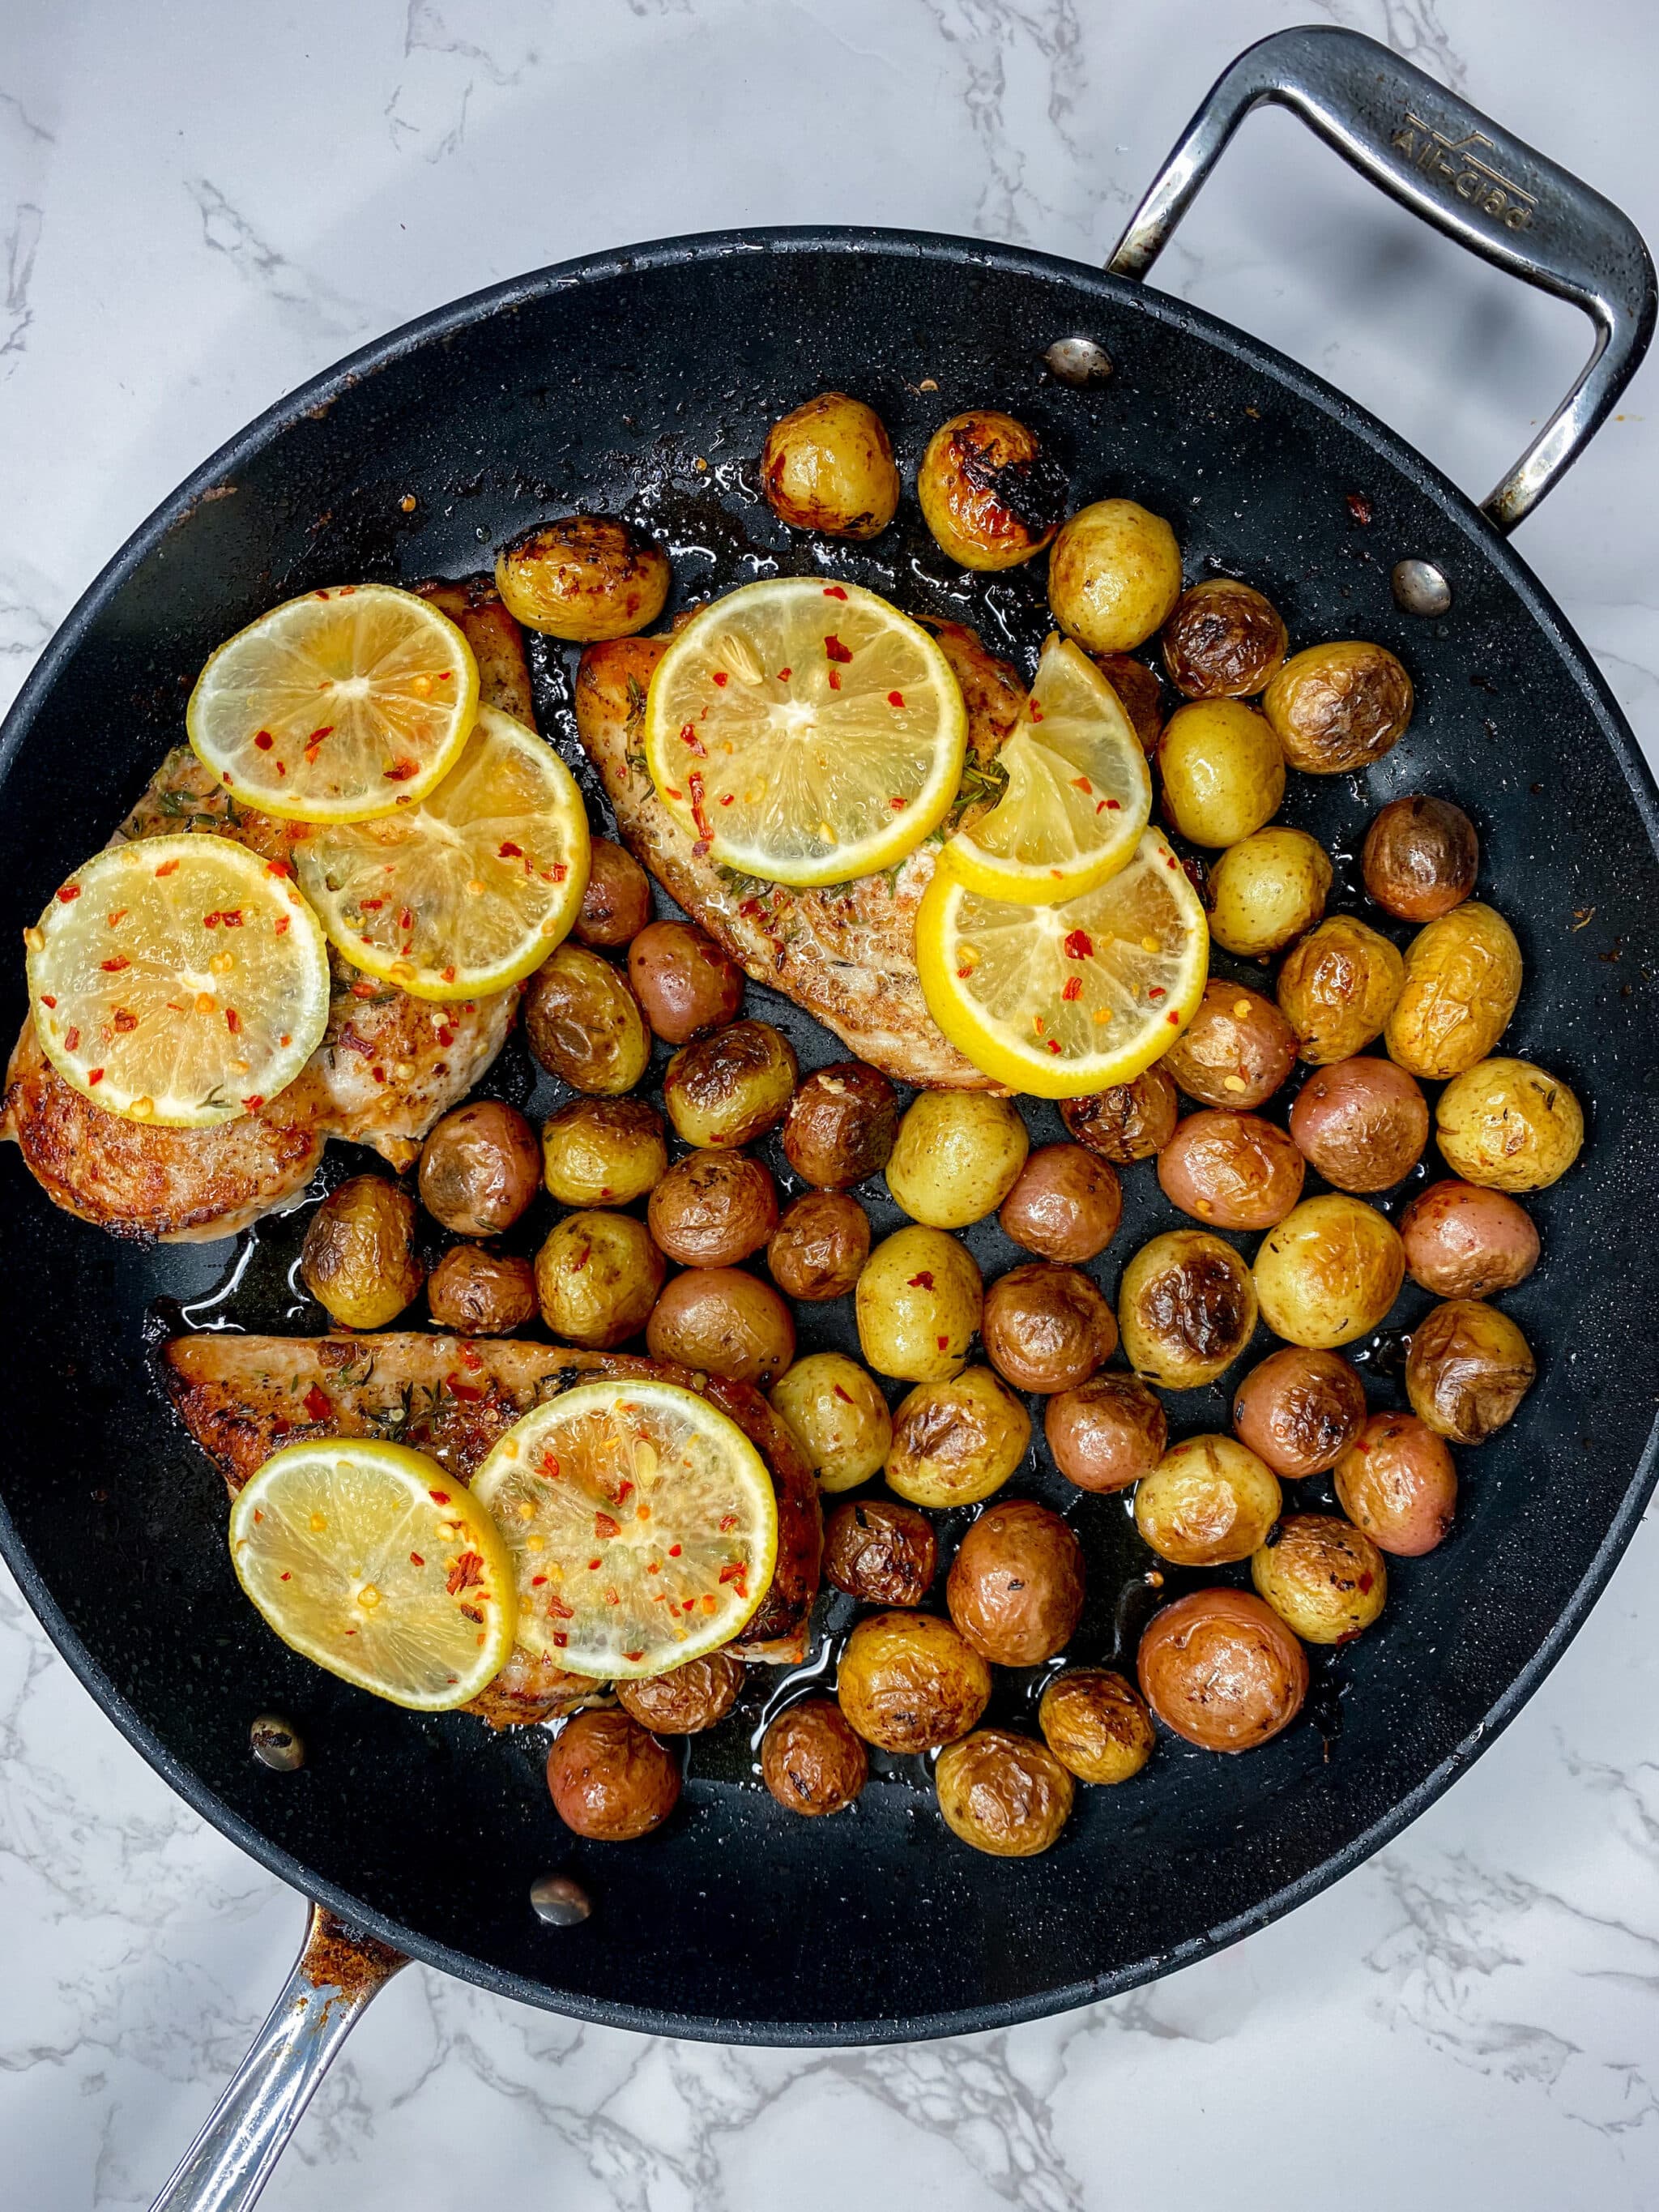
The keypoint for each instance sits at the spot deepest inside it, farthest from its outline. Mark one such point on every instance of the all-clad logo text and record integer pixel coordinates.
(1465, 165)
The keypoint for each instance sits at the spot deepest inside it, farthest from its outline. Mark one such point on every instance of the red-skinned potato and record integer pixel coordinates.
(713, 1209)
(819, 1249)
(686, 984)
(1106, 1433)
(1237, 1050)
(1047, 1329)
(1231, 1170)
(616, 904)
(841, 1125)
(1299, 1411)
(1462, 1242)
(1361, 1123)
(1397, 1482)
(719, 1321)
(1015, 1589)
(1220, 1668)
(1065, 1206)
(610, 1779)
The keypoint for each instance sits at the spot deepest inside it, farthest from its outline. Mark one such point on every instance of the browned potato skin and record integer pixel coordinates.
(1015, 1589)
(480, 1167)
(1047, 1329)
(841, 1125)
(1323, 1576)
(584, 578)
(1329, 1272)
(1299, 1411)
(1337, 987)
(1508, 1125)
(1397, 1482)
(683, 981)
(1420, 858)
(1339, 707)
(1462, 979)
(1186, 1308)
(476, 1293)
(596, 1279)
(1003, 1794)
(713, 1209)
(1096, 1725)
(616, 904)
(584, 1023)
(721, 1320)
(1220, 1668)
(957, 1441)
(1107, 1433)
(829, 467)
(1361, 1123)
(1131, 1121)
(880, 1552)
(1468, 1369)
(989, 494)
(1140, 694)
(819, 1249)
(812, 1761)
(1065, 1205)
(610, 1780)
(909, 1681)
(1462, 1242)
(1208, 1501)
(603, 1152)
(1232, 1170)
(687, 1700)
(1237, 1050)
(1224, 641)
(359, 1257)
(726, 1090)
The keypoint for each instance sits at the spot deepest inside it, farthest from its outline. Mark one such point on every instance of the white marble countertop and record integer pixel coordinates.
(204, 202)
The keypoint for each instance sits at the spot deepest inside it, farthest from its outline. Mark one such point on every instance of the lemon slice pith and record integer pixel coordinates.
(642, 1524)
(346, 703)
(1079, 792)
(808, 733)
(1064, 999)
(368, 1559)
(179, 980)
(469, 889)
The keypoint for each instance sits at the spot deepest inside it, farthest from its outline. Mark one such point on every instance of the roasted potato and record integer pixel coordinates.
(1208, 1500)
(596, 1279)
(957, 1157)
(585, 578)
(1186, 1310)
(479, 1168)
(713, 1209)
(909, 1681)
(721, 1320)
(955, 1441)
(1361, 1124)
(1420, 858)
(1231, 1170)
(1299, 1411)
(726, 1090)
(478, 1293)
(1468, 1369)
(839, 1417)
(1507, 1124)
(1337, 987)
(1397, 1482)
(1220, 1668)
(1268, 889)
(1015, 1587)
(603, 1152)
(1464, 1243)
(1140, 694)
(1096, 1725)
(1106, 1433)
(841, 1125)
(616, 904)
(880, 1552)
(1223, 771)
(1323, 1576)
(1065, 1205)
(684, 982)
(1130, 1122)
(1462, 978)
(1339, 708)
(1047, 1329)
(819, 1250)
(687, 1700)
(812, 1761)
(1002, 1793)
(1224, 641)
(1328, 1272)
(584, 1023)
(917, 1305)
(829, 467)
(610, 1779)
(990, 494)
(1114, 575)
(1237, 1050)
(359, 1257)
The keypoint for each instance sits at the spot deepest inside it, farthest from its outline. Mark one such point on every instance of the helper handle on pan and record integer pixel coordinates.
(336, 1973)
(1445, 162)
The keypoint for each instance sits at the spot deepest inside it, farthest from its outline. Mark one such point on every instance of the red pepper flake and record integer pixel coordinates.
(1073, 988)
(446, 1037)
(1365, 1582)
(232, 1020)
(559, 1609)
(833, 591)
(469, 1358)
(671, 792)
(845, 1396)
(117, 918)
(581, 1259)
(416, 1560)
(962, 974)
(405, 919)
(509, 851)
(734, 1573)
(255, 1103)
(285, 1576)
(898, 804)
(674, 1551)
(594, 1565)
(167, 868)
(278, 868)
(1053, 1047)
(379, 1074)
(1078, 944)
(699, 813)
(114, 967)
(1157, 992)
(727, 1522)
(400, 771)
(1082, 783)
(232, 917)
(46, 1000)
(924, 1281)
(1037, 712)
(834, 650)
(560, 1638)
(722, 678)
(692, 741)
(605, 1527)
(784, 674)
(471, 1613)
(264, 739)
(71, 1039)
(558, 871)
(1358, 506)
(281, 929)
(317, 736)
(467, 1573)
(209, 921)
(834, 679)
(95, 1075)
(318, 1403)
(1173, 1019)
(727, 796)
(73, 890)
(895, 698)
(943, 1342)
(438, 1496)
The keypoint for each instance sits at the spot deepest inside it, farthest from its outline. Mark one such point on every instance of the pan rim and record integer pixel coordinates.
(1461, 514)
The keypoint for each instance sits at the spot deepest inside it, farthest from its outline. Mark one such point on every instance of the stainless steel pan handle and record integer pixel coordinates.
(1447, 162)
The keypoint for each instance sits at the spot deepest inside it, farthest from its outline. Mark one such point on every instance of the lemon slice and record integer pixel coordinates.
(181, 980)
(347, 704)
(1059, 1000)
(370, 1560)
(642, 1524)
(471, 887)
(1079, 792)
(805, 732)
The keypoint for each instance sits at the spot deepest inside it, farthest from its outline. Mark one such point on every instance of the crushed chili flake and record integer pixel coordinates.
(167, 868)
(834, 650)
(674, 1551)
(114, 967)
(318, 1403)
(895, 698)
(73, 890)
(282, 926)
(232, 1020)
(95, 1075)
(438, 1496)
(722, 678)
(465, 1574)
(255, 1103)
(71, 1039)
(1073, 988)
(416, 1560)
(400, 771)
(278, 868)
(1158, 992)
(116, 918)
(509, 851)
(1174, 1019)
(943, 1342)
(844, 1395)
(605, 1527)
(46, 1000)
(833, 591)
(834, 679)
(264, 739)
(784, 674)
(1082, 783)
(692, 741)
(1078, 944)
(734, 1573)
(924, 1281)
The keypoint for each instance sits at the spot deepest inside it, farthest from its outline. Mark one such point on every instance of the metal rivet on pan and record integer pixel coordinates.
(277, 1743)
(1420, 588)
(559, 1901)
(1078, 360)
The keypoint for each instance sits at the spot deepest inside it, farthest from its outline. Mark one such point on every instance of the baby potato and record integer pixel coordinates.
(1186, 1308)
(479, 1168)
(1114, 575)
(1237, 1050)
(839, 1417)
(955, 1441)
(1223, 771)
(918, 1304)
(1140, 694)
(1047, 1329)
(1299, 1411)
(1224, 641)
(1508, 1125)
(1003, 1794)
(1468, 1369)
(1323, 1576)
(841, 1125)
(880, 1552)
(584, 1023)
(1361, 1124)
(990, 494)
(616, 904)
(1207, 1501)
(359, 1259)
(909, 1681)
(1221, 1669)
(957, 1157)
(726, 1090)
(596, 1279)
(1338, 708)
(1463, 1242)
(1096, 1725)
(829, 467)
(1337, 987)
(819, 1250)
(585, 578)
(1396, 1481)
(610, 1778)
(812, 1761)
(603, 1152)
(718, 1321)
(1107, 1432)
(476, 1293)
(1015, 1589)
(1268, 889)
(1462, 978)
(1328, 1272)
(713, 1209)
(1420, 858)
(1233, 1171)
(1130, 1122)
(1065, 1205)
(686, 984)
(687, 1700)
